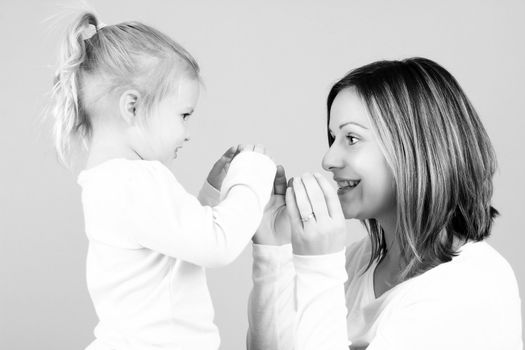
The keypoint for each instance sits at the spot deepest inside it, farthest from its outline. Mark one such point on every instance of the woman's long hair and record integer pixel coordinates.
(440, 155)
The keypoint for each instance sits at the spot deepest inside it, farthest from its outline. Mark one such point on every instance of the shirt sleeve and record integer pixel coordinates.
(271, 309)
(165, 218)
(320, 321)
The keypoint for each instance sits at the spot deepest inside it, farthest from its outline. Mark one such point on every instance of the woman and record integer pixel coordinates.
(413, 162)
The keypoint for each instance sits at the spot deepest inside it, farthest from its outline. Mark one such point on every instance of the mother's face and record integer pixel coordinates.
(366, 184)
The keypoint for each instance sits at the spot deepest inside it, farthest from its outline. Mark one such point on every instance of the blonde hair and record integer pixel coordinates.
(440, 155)
(113, 58)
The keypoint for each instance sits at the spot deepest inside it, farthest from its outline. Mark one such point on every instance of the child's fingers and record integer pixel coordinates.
(245, 147)
(279, 183)
(227, 157)
(230, 153)
(259, 149)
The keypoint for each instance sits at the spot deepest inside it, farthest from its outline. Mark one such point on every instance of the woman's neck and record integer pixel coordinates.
(389, 268)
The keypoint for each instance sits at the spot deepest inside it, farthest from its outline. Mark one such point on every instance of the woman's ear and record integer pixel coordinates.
(128, 105)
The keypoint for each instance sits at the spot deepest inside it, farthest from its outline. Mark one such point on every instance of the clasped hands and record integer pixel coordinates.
(304, 211)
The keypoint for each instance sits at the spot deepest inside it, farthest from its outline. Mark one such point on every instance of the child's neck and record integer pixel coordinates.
(106, 144)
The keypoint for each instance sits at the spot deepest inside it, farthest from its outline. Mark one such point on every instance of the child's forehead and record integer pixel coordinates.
(188, 88)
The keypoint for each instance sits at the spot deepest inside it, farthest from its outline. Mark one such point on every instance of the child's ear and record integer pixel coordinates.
(128, 105)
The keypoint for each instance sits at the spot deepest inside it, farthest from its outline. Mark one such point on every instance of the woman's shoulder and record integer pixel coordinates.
(485, 264)
(478, 273)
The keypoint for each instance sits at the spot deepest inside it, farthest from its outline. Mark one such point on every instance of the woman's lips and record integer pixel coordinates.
(346, 185)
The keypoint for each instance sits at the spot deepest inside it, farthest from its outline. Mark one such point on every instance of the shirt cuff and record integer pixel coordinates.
(209, 195)
(271, 260)
(326, 266)
(254, 170)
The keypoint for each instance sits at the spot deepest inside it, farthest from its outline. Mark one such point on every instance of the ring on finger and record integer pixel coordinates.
(308, 217)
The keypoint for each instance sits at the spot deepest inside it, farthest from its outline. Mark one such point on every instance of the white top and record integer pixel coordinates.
(149, 241)
(471, 302)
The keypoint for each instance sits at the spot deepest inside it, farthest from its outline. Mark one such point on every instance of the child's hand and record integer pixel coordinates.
(220, 168)
(317, 220)
(275, 225)
(253, 148)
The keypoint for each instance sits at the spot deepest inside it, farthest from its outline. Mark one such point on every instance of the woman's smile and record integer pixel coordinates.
(345, 185)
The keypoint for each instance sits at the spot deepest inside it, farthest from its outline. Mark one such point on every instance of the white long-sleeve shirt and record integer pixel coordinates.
(471, 302)
(149, 242)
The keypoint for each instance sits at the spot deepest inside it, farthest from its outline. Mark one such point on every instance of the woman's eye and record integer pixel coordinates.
(351, 139)
(185, 116)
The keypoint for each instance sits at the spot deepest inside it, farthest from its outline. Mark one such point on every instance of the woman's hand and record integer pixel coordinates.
(317, 221)
(275, 225)
(220, 168)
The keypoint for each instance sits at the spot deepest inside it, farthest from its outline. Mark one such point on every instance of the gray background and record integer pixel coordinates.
(267, 66)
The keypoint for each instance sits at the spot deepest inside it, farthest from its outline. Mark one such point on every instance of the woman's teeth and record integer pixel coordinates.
(346, 185)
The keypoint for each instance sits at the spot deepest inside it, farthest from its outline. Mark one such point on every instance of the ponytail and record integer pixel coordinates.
(71, 123)
(94, 63)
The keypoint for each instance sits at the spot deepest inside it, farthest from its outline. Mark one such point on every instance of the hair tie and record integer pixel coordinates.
(91, 30)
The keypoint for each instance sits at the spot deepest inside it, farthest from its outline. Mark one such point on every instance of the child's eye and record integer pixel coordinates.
(185, 116)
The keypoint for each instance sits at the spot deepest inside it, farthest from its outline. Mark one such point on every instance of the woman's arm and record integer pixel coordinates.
(320, 321)
(271, 310)
(318, 240)
(305, 309)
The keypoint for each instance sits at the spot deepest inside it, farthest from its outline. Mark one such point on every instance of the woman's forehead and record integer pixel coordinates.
(348, 108)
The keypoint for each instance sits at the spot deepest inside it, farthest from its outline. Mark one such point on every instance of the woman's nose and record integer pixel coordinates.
(332, 158)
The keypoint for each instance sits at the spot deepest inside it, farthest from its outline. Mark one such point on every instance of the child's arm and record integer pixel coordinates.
(165, 218)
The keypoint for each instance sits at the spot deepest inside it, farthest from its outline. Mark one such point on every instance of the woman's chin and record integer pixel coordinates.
(351, 213)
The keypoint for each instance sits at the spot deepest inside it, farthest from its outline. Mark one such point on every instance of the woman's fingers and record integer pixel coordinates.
(279, 183)
(330, 196)
(315, 196)
(292, 209)
(303, 203)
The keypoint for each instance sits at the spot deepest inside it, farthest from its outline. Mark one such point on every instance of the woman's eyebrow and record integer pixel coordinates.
(355, 123)
(344, 124)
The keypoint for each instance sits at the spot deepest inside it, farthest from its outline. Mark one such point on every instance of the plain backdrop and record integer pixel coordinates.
(267, 67)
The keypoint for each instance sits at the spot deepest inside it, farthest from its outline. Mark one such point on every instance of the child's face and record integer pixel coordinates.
(365, 181)
(166, 129)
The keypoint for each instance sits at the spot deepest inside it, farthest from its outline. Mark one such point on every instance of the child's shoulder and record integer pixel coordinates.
(121, 171)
